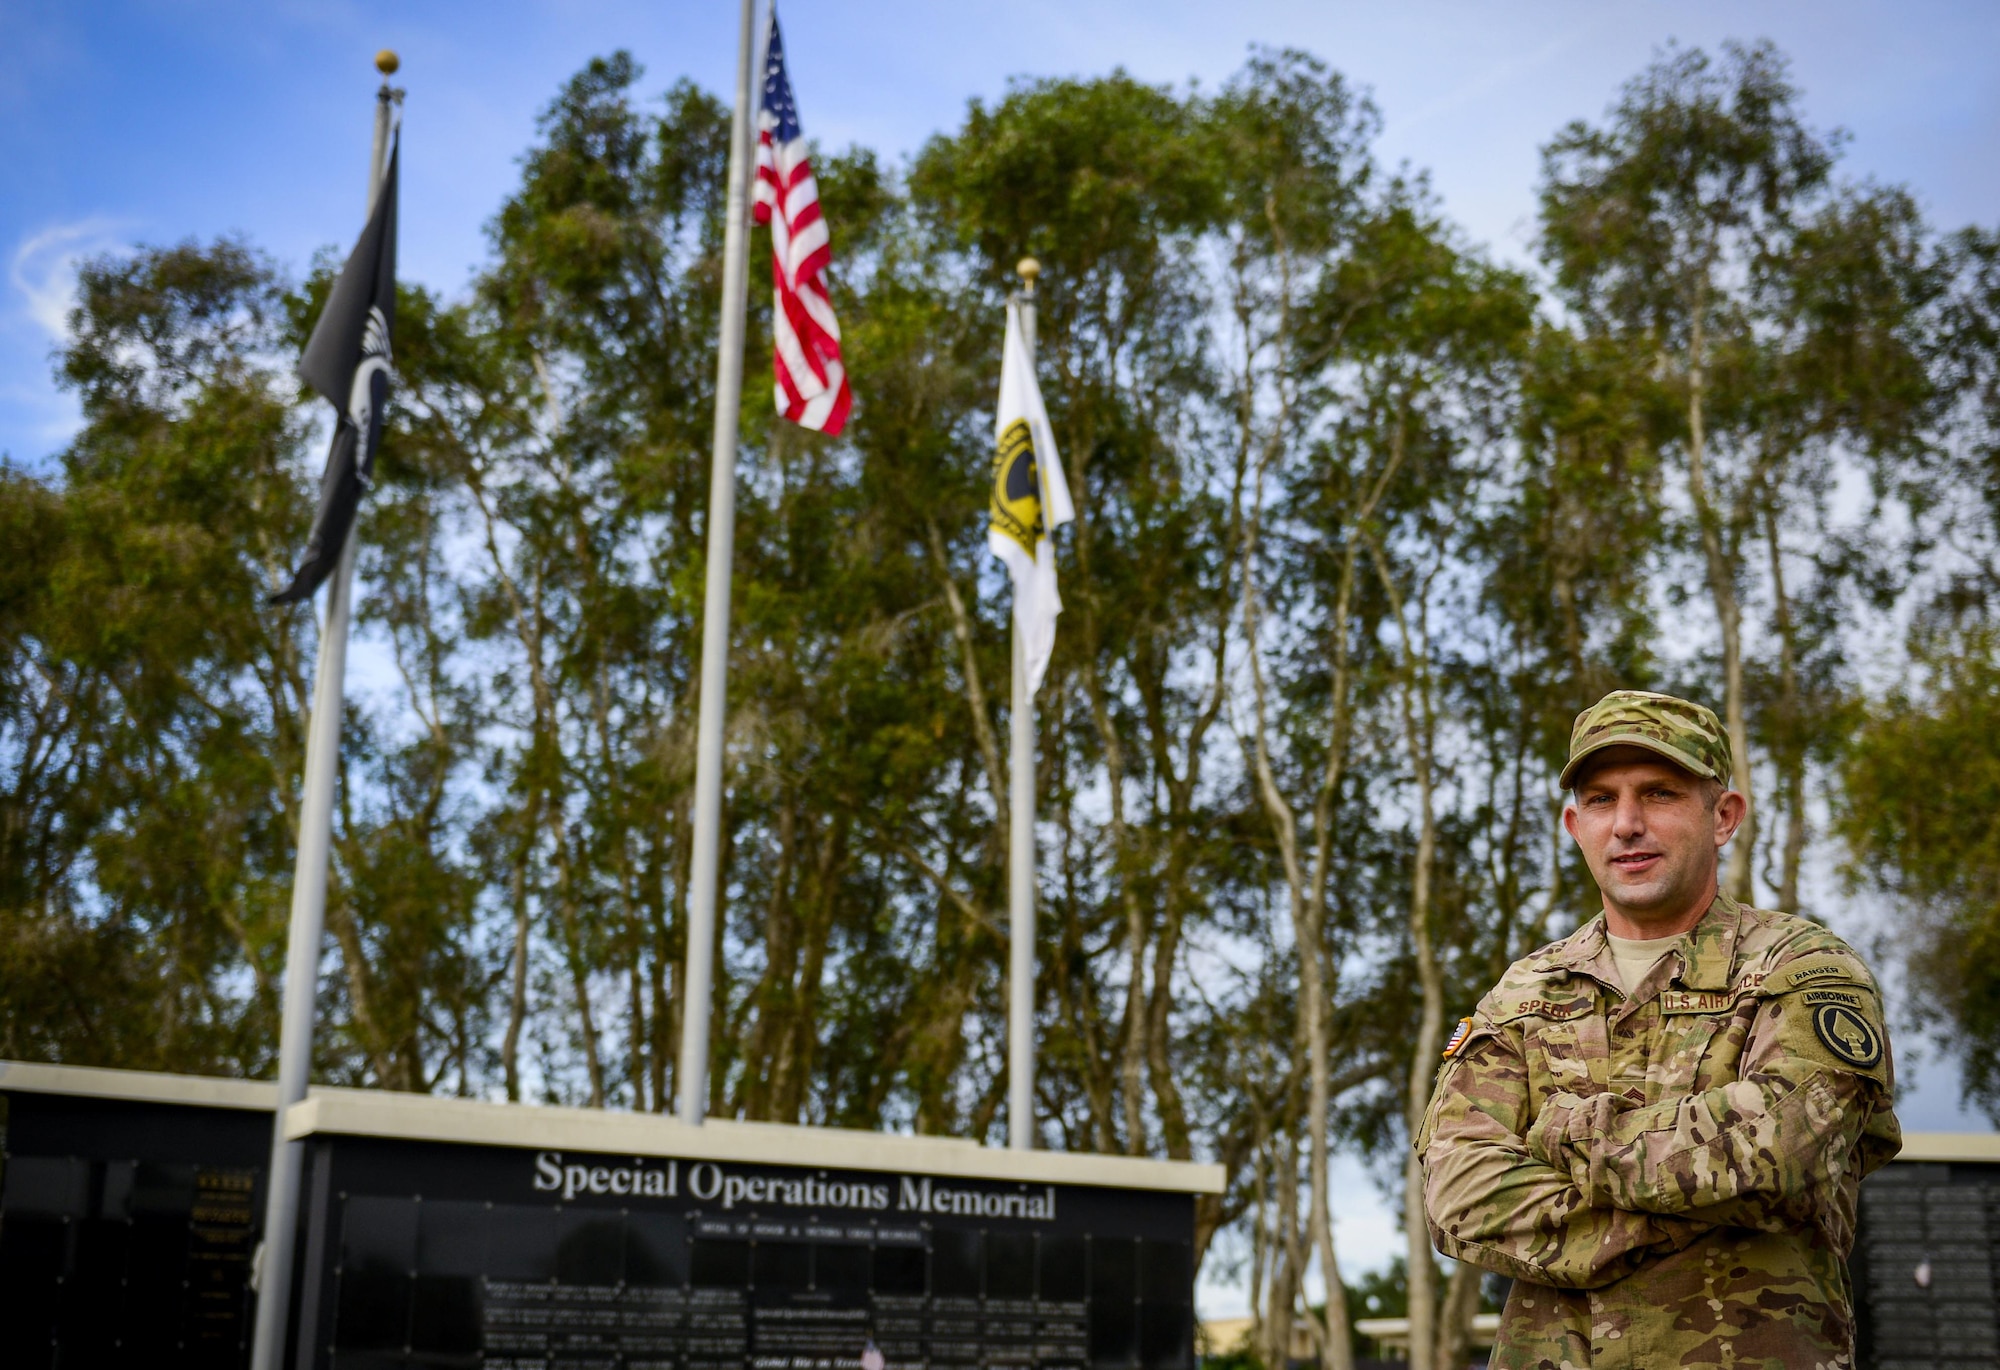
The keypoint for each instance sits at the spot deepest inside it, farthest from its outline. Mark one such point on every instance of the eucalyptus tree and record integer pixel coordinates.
(1358, 535)
(1705, 225)
(1659, 228)
(150, 712)
(1106, 183)
(1919, 774)
(1843, 385)
(1417, 343)
(1956, 492)
(925, 989)
(1917, 809)
(585, 497)
(415, 958)
(162, 710)
(1292, 142)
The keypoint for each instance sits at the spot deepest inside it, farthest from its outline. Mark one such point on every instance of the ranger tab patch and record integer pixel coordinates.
(1819, 968)
(1458, 1036)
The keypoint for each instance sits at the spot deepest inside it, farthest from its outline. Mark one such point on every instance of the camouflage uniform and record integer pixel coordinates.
(1670, 1177)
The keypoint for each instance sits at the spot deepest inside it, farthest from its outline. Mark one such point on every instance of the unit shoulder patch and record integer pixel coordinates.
(1847, 1033)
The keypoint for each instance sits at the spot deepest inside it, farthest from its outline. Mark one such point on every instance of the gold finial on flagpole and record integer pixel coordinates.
(1028, 269)
(386, 62)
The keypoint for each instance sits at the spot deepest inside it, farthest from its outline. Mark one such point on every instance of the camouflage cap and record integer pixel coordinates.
(1685, 733)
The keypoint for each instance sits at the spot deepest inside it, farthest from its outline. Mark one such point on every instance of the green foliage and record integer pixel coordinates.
(1363, 521)
(1920, 812)
(151, 705)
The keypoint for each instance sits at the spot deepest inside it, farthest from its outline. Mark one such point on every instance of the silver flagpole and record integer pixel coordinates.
(273, 1272)
(693, 1071)
(1021, 846)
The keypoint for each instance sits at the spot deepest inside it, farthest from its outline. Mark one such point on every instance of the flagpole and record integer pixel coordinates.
(1021, 844)
(693, 1070)
(273, 1273)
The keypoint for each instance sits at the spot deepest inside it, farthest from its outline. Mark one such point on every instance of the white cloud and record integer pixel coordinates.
(43, 269)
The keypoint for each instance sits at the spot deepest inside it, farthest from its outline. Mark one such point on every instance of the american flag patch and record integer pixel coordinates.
(1458, 1036)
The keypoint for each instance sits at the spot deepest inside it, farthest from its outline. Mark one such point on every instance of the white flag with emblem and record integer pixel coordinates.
(1030, 501)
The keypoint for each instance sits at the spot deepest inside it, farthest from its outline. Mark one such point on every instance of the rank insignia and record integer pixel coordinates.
(1458, 1036)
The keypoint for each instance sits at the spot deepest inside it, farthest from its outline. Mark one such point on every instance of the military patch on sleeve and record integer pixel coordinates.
(1819, 968)
(1846, 1032)
(1458, 1036)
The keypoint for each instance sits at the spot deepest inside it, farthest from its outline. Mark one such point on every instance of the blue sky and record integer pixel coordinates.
(145, 121)
(127, 121)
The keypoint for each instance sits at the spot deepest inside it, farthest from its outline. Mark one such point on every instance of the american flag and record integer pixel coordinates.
(812, 384)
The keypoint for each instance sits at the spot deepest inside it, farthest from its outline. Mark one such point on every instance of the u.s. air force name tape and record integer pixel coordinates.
(1695, 1001)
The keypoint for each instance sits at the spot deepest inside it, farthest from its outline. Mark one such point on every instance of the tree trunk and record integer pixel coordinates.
(1076, 996)
(659, 1041)
(354, 965)
(1420, 740)
(517, 968)
(1430, 1031)
(1281, 1309)
(636, 1028)
(975, 686)
(1454, 1333)
(580, 985)
(1728, 613)
(1260, 1246)
(772, 991)
(1790, 750)
(1335, 1337)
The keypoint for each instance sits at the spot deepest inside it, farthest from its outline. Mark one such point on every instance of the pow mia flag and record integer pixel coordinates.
(347, 359)
(1030, 501)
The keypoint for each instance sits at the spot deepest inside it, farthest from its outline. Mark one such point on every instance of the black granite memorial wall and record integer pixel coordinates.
(1924, 1267)
(127, 1228)
(126, 1231)
(441, 1256)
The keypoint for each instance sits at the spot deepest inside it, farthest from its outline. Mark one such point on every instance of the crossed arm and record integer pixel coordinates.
(1492, 1202)
(1592, 1187)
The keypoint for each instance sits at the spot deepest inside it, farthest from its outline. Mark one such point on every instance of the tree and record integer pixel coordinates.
(151, 721)
(1916, 804)
(1363, 524)
(1104, 183)
(1293, 143)
(1659, 228)
(1922, 788)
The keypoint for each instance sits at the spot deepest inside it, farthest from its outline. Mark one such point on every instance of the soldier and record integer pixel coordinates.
(1657, 1126)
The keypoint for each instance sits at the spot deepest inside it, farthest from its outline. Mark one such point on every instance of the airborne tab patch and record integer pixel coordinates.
(1694, 1001)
